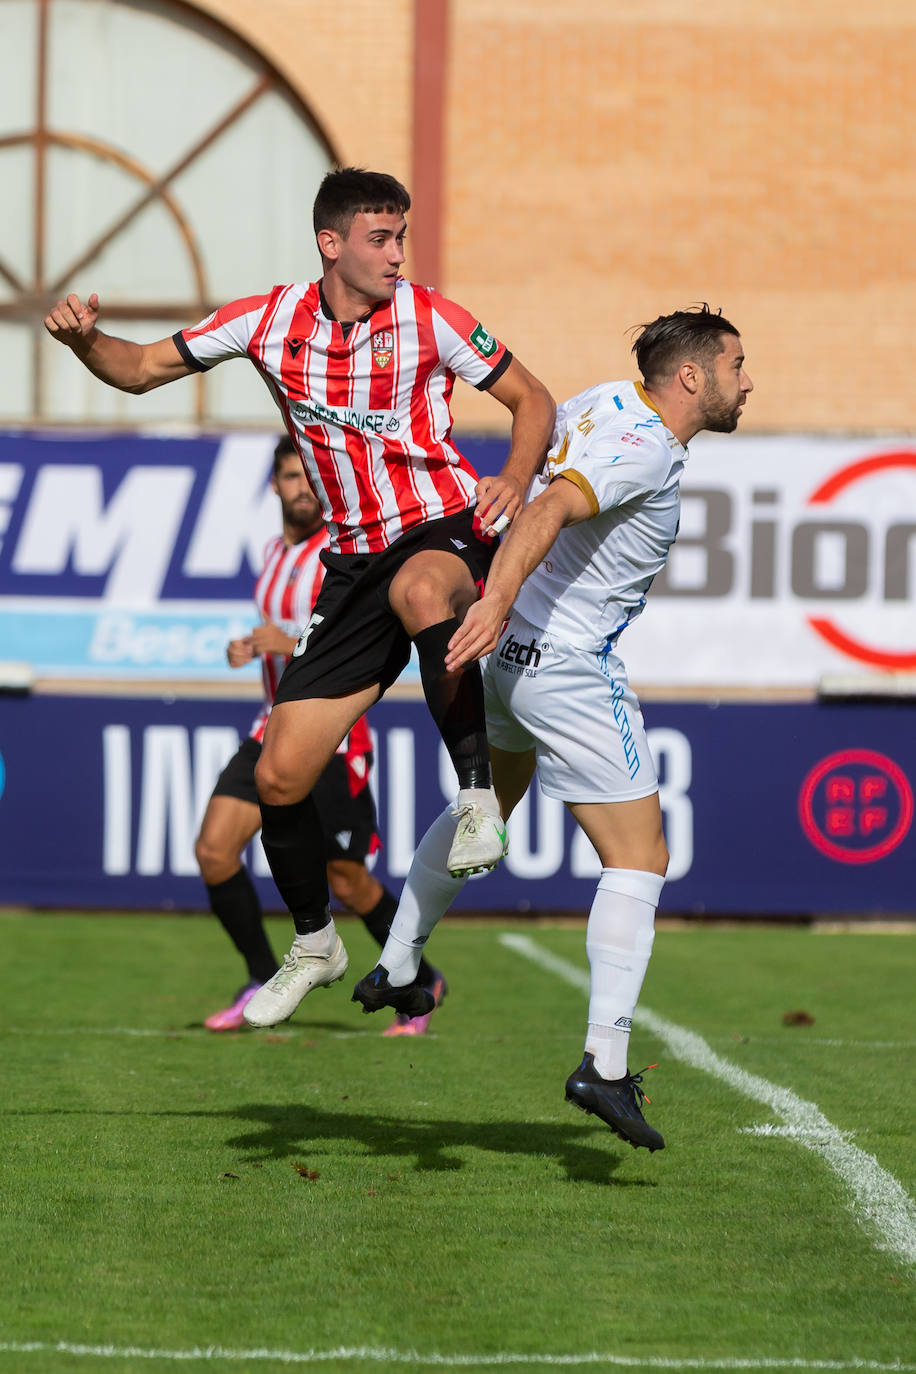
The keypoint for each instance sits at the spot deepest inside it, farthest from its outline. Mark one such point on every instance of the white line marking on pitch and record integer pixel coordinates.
(366, 1354)
(194, 1033)
(877, 1197)
(802, 1039)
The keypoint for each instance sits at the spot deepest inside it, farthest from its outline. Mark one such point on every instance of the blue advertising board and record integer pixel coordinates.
(769, 808)
(134, 557)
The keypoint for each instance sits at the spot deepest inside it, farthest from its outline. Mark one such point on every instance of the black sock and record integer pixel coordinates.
(294, 844)
(455, 702)
(235, 903)
(378, 920)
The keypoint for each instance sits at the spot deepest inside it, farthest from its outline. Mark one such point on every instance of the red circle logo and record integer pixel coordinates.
(856, 806)
(828, 631)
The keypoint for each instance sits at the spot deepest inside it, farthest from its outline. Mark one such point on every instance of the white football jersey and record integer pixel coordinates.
(612, 442)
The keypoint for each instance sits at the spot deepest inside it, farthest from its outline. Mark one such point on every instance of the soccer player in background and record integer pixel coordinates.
(361, 365)
(285, 593)
(606, 512)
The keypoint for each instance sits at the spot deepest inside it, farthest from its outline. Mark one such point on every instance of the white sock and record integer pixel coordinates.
(484, 797)
(429, 891)
(319, 942)
(618, 940)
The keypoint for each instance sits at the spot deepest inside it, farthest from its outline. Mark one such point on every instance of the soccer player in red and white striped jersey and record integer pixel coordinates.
(362, 366)
(285, 593)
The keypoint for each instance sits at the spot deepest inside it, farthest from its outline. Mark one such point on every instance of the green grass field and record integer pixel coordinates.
(320, 1195)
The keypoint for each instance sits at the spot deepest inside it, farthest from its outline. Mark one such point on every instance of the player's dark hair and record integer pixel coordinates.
(662, 346)
(285, 449)
(351, 191)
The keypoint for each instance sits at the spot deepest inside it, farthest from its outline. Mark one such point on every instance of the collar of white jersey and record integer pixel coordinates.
(674, 442)
(641, 393)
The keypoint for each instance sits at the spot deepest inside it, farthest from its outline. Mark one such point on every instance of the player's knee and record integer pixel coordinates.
(275, 787)
(216, 862)
(659, 858)
(421, 600)
(647, 856)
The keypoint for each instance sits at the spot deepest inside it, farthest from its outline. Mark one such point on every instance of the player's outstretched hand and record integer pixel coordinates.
(477, 635)
(71, 322)
(499, 499)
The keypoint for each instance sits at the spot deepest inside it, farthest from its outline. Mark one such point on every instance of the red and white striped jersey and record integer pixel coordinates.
(368, 407)
(284, 594)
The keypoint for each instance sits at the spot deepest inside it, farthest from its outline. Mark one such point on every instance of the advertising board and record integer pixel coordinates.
(769, 808)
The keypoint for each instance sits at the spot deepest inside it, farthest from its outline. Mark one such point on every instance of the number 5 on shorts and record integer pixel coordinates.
(313, 621)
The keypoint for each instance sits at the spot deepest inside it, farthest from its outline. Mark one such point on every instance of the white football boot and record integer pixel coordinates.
(480, 841)
(302, 971)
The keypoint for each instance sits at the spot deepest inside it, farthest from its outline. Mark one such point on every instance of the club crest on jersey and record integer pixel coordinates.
(382, 347)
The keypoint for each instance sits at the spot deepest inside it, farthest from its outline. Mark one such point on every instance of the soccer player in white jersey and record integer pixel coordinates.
(570, 575)
(361, 365)
(285, 593)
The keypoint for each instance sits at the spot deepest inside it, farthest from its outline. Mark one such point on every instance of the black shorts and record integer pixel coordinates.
(349, 823)
(354, 637)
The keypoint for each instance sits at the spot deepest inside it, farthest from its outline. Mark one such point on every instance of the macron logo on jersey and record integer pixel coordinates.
(373, 421)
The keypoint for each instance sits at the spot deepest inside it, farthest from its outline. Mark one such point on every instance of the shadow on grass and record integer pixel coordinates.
(282, 1132)
(285, 1132)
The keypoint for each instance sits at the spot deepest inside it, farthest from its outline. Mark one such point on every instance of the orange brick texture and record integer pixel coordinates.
(610, 162)
(607, 162)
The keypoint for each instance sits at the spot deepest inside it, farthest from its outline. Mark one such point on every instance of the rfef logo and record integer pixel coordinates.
(856, 806)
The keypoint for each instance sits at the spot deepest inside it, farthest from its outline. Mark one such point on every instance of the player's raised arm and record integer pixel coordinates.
(528, 541)
(121, 363)
(533, 412)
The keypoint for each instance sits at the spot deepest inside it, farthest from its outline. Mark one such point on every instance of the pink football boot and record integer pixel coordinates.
(418, 1025)
(232, 1018)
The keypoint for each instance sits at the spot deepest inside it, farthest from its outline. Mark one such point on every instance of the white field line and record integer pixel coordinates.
(198, 1033)
(802, 1038)
(877, 1198)
(156, 1033)
(371, 1355)
(865, 1044)
(192, 1033)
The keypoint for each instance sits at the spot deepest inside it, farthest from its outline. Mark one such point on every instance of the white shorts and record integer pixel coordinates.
(576, 709)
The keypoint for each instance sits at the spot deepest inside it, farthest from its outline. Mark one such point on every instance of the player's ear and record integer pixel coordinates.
(328, 243)
(689, 374)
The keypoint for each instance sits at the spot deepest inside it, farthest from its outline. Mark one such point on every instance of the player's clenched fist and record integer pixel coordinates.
(71, 322)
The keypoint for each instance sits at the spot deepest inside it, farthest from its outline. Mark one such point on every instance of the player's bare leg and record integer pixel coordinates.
(228, 826)
(300, 740)
(428, 892)
(630, 843)
(430, 595)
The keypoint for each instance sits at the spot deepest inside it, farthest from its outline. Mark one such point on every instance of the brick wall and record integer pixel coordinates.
(606, 162)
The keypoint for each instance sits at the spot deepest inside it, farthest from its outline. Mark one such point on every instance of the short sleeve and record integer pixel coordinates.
(465, 346)
(224, 334)
(614, 467)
